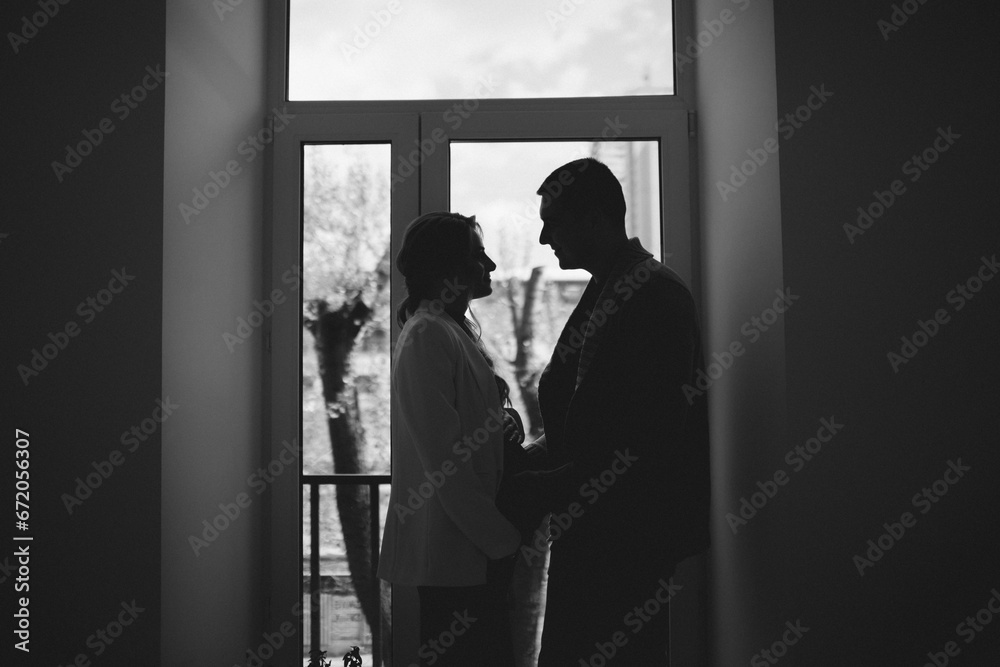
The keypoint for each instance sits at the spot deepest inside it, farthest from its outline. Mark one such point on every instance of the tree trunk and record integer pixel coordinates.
(528, 584)
(524, 334)
(335, 333)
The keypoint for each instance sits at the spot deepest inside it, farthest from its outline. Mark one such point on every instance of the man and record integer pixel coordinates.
(633, 501)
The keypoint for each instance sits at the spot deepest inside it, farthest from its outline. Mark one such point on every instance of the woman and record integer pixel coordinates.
(443, 528)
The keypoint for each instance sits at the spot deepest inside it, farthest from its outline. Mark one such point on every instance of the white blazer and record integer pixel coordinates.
(447, 458)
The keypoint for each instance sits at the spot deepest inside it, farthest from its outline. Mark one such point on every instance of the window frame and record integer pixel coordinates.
(668, 118)
(283, 387)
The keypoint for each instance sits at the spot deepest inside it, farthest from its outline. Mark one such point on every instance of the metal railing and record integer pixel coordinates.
(314, 483)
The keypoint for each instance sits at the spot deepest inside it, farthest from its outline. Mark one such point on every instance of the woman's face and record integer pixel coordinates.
(476, 273)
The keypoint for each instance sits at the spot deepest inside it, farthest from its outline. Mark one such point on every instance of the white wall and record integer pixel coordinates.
(742, 268)
(212, 602)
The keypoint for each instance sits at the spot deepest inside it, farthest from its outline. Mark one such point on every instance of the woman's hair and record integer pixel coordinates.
(435, 246)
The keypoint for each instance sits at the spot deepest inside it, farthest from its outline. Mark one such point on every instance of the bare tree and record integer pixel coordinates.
(522, 320)
(520, 299)
(344, 227)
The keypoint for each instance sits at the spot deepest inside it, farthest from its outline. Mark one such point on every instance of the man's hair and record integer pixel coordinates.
(585, 186)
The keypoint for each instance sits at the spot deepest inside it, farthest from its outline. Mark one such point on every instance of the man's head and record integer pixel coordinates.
(582, 212)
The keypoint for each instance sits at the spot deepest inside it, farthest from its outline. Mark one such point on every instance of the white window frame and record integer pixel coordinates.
(667, 119)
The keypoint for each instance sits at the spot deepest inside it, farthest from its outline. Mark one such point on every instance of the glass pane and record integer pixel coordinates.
(496, 182)
(346, 617)
(460, 49)
(346, 308)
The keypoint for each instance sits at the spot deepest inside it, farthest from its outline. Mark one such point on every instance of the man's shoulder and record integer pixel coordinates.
(661, 299)
(659, 282)
(660, 272)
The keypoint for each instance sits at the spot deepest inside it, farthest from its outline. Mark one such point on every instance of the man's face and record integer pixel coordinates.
(566, 234)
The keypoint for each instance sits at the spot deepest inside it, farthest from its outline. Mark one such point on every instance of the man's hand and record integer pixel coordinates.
(547, 489)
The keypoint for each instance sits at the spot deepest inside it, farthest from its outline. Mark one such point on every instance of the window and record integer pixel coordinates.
(441, 49)
(348, 176)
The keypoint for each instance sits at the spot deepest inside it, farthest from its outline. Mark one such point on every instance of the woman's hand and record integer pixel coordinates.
(513, 431)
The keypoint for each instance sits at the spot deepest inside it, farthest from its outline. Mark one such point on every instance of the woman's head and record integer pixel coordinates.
(443, 260)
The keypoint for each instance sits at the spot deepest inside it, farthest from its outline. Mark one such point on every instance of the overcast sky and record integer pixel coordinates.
(439, 49)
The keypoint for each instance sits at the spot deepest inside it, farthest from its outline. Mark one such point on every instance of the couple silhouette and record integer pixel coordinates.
(622, 467)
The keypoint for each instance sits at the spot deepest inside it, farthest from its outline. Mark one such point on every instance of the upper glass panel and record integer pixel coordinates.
(345, 302)
(461, 49)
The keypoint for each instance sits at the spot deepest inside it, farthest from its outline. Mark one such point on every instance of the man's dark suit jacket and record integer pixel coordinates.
(629, 408)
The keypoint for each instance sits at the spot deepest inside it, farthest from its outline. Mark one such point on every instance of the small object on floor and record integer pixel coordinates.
(353, 659)
(318, 659)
